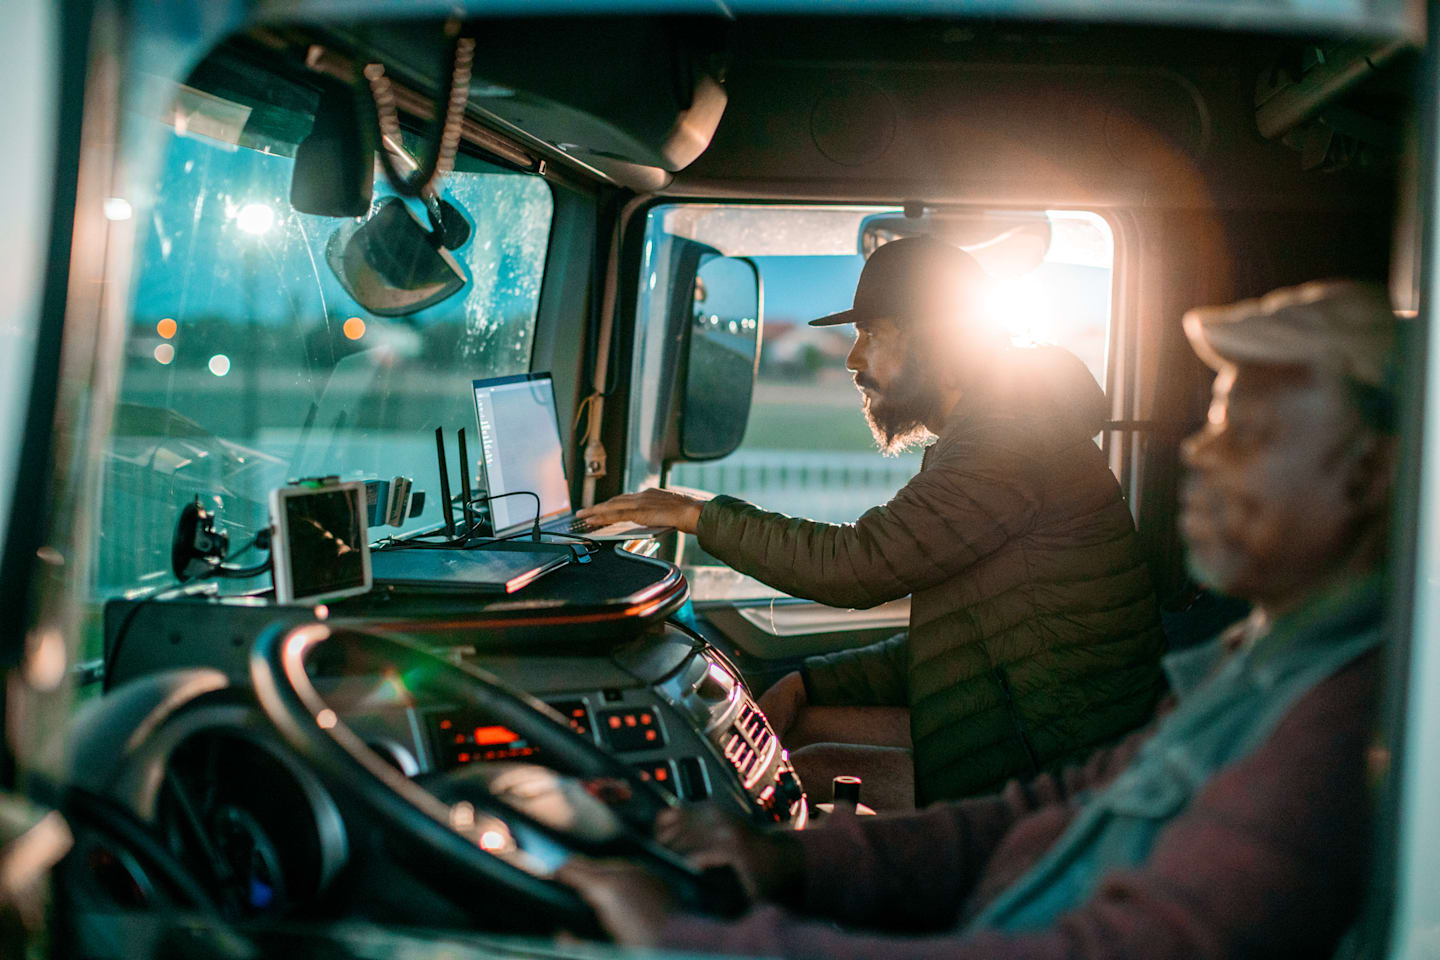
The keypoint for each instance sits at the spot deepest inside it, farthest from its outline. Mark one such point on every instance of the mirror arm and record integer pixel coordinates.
(429, 192)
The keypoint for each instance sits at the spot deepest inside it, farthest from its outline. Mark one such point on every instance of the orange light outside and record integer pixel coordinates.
(490, 736)
(354, 328)
(167, 327)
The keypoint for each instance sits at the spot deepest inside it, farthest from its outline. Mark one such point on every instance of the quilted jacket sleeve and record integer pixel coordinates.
(968, 502)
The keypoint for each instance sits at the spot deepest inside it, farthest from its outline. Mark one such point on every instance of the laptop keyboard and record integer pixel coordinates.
(573, 525)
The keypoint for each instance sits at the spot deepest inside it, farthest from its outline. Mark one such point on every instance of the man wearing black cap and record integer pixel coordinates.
(1034, 634)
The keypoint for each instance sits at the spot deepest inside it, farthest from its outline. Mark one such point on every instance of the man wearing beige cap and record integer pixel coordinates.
(1236, 824)
(1034, 633)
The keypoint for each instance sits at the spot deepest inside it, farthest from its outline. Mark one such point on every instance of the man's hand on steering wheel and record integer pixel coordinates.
(768, 863)
(631, 902)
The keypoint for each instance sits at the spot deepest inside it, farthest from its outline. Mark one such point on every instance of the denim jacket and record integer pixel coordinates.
(1228, 704)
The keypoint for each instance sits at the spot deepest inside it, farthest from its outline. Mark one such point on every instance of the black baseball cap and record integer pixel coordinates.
(914, 276)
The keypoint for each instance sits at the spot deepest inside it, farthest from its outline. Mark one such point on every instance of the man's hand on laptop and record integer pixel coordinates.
(649, 508)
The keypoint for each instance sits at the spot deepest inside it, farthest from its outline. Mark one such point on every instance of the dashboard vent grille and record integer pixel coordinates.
(750, 745)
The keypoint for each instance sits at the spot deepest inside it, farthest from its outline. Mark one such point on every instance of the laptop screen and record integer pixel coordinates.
(520, 448)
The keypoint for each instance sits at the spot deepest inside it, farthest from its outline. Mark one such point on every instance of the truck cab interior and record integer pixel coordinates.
(302, 248)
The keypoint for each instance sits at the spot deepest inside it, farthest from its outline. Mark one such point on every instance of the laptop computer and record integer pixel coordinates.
(520, 449)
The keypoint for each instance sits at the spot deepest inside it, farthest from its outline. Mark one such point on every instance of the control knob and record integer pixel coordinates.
(788, 789)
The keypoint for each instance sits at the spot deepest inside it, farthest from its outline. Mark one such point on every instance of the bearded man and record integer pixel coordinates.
(1034, 632)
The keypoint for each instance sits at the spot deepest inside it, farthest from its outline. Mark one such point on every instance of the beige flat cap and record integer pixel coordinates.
(1343, 326)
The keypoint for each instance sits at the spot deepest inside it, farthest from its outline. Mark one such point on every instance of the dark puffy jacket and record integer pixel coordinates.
(1034, 632)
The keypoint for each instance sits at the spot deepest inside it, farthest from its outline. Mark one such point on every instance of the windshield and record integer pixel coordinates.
(247, 362)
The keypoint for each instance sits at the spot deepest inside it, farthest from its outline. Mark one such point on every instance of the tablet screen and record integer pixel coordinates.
(326, 542)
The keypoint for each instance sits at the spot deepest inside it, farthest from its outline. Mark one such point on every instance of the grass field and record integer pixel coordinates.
(823, 414)
(807, 427)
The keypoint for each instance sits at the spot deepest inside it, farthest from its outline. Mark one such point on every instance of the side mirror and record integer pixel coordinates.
(722, 356)
(391, 265)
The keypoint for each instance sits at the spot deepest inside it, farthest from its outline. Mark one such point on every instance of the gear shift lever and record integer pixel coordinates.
(845, 789)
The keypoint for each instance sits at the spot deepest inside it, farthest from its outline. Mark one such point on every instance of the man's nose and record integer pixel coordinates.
(855, 361)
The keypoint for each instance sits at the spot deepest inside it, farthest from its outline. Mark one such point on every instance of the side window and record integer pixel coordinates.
(807, 450)
(30, 50)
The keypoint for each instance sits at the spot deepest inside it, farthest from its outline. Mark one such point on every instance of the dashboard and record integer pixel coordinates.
(677, 712)
(268, 836)
(181, 742)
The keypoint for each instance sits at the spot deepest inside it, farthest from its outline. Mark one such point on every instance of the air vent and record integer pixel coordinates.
(750, 746)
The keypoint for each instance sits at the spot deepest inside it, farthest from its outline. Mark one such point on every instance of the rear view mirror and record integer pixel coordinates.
(391, 265)
(724, 351)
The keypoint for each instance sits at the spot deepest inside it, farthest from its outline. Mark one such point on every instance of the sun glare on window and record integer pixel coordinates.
(1064, 299)
(1022, 309)
(255, 218)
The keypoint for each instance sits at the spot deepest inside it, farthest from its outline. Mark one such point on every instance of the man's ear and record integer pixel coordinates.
(1372, 472)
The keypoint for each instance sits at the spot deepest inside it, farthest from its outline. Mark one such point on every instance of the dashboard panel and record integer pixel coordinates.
(643, 689)
(693, 730)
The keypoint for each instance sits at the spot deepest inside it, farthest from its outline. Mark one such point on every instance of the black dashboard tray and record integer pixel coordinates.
(579, 608)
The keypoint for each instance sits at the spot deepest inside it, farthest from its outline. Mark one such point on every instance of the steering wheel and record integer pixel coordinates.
(513, 825)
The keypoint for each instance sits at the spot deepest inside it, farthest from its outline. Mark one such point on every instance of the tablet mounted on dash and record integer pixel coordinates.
(520, 450)
(320, 547)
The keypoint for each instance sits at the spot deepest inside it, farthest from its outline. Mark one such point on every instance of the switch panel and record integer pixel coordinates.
(631, 729)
